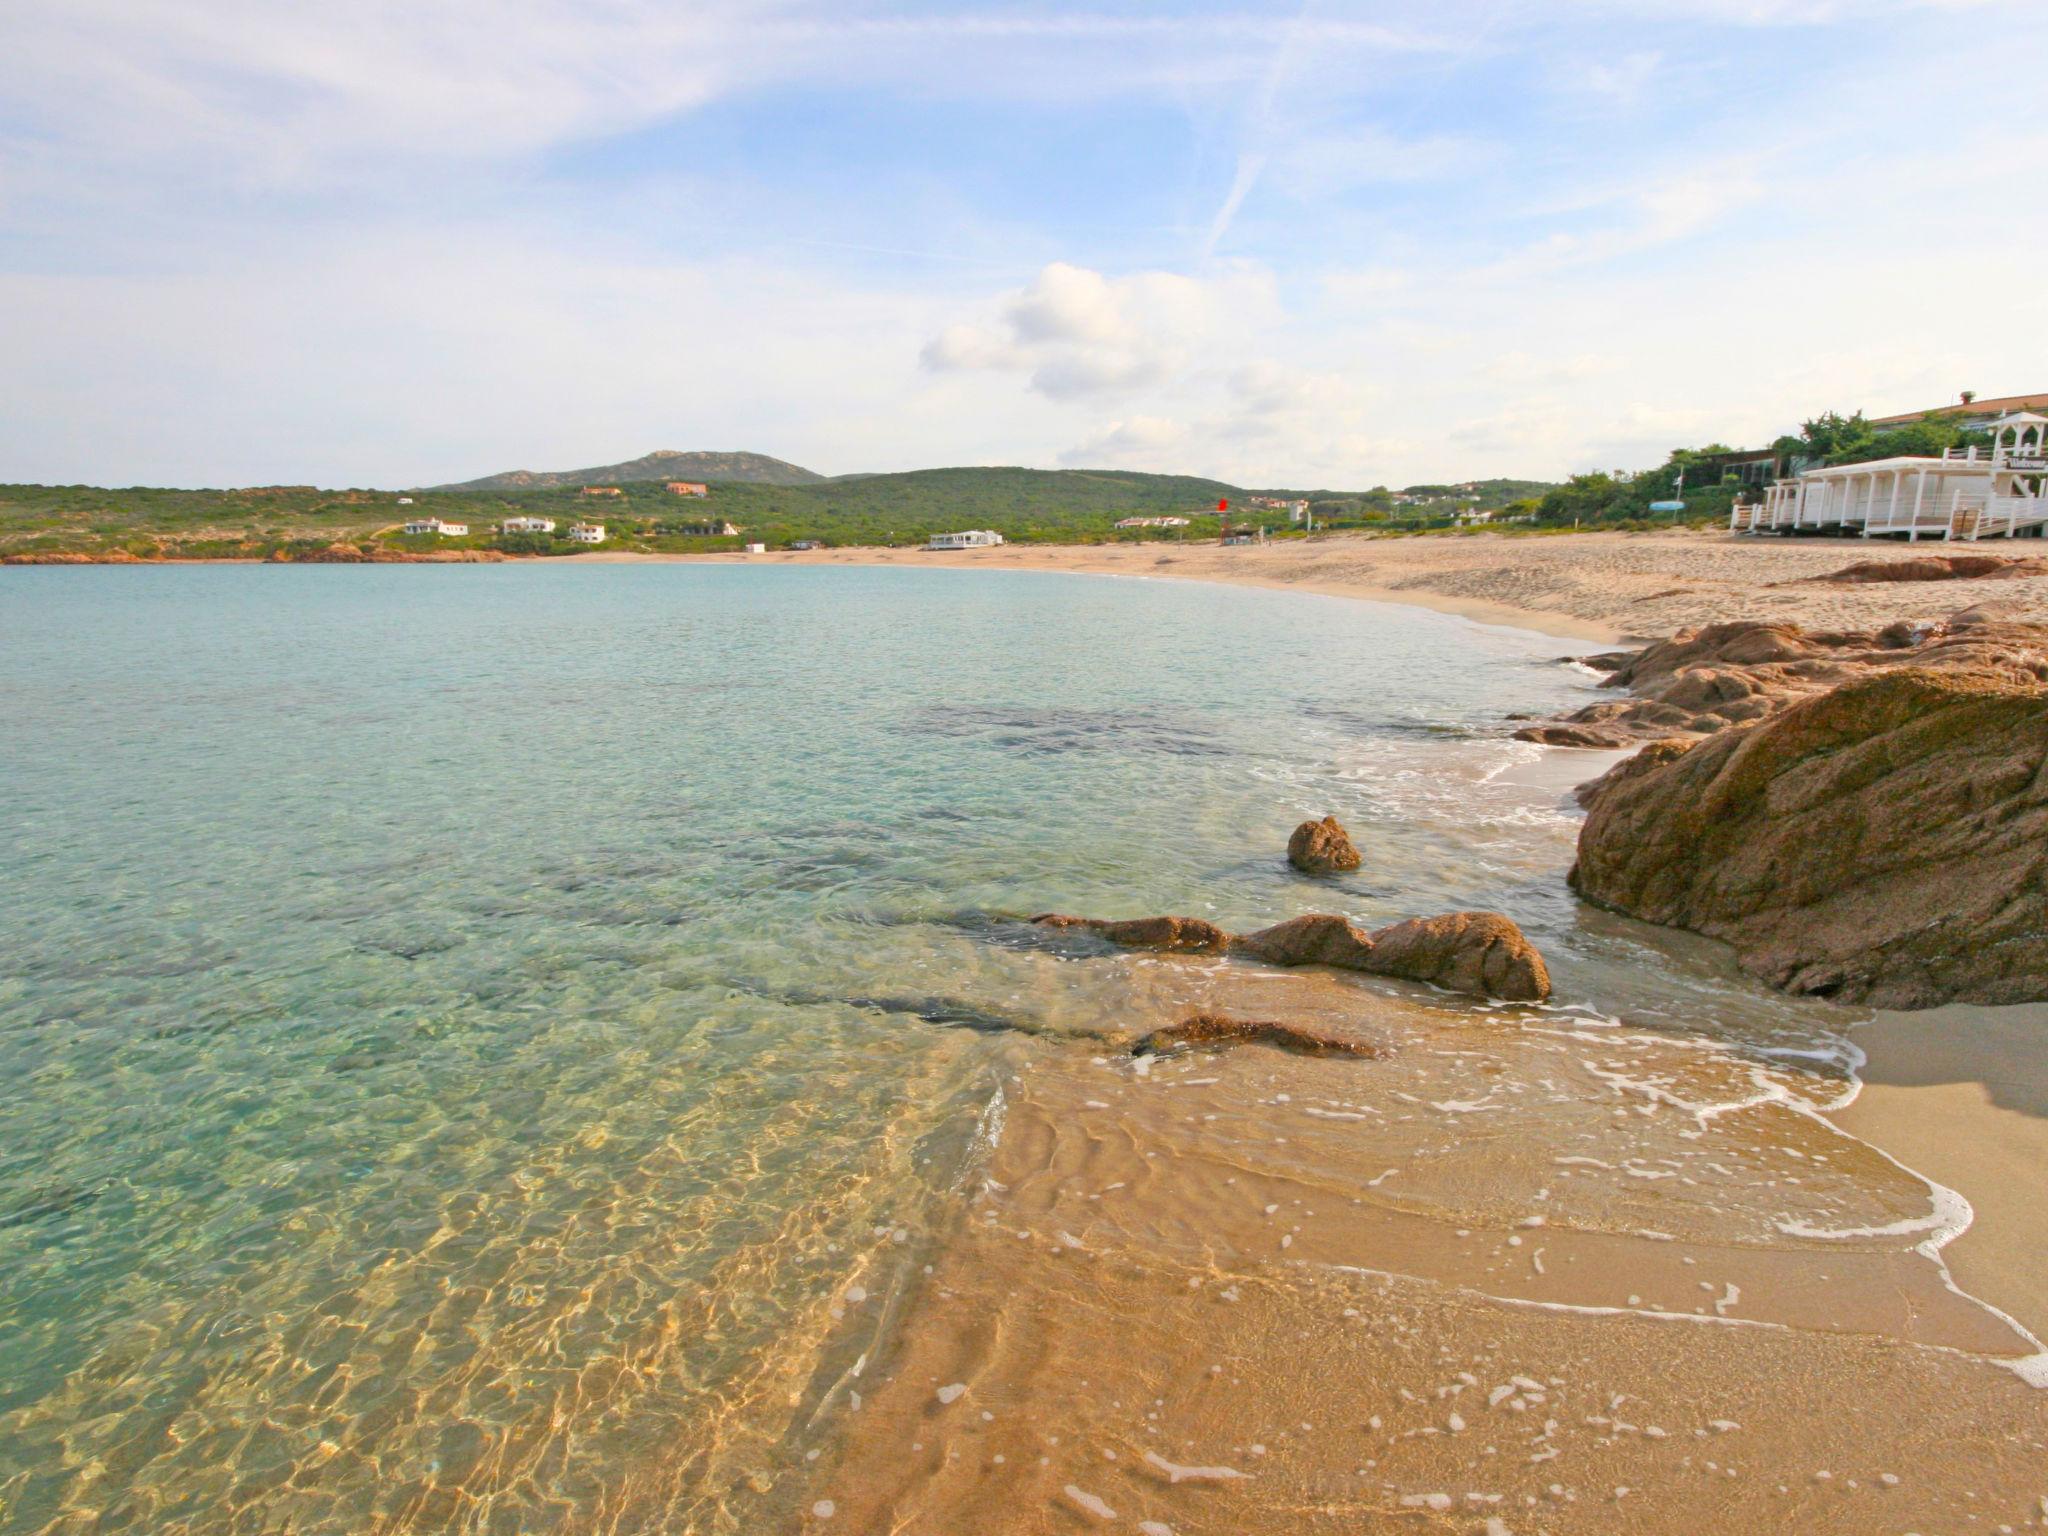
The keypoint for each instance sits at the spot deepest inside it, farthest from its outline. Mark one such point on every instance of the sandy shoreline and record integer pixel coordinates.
(1960, 1095)
(1608, 587)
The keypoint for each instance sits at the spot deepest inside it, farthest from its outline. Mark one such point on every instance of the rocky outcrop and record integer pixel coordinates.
(1883, 842)
(1322, 848)
(1222, 1029)
(1703, 681)
(1174, 935)
(1480, 952)
(1932, 568)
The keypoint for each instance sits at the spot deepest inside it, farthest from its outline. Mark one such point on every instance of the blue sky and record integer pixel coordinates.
(1335, 245)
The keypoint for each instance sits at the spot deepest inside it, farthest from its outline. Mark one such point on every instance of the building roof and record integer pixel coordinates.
(1909, 463)
(1998, 406)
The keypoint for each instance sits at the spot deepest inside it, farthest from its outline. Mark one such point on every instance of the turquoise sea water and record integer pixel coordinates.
(454, 1020)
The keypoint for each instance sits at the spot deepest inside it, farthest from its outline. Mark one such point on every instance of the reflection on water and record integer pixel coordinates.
(529, 1048)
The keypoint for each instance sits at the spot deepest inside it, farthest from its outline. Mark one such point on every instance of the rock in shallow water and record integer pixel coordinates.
(1222, 1029)
(1176, 935)
(1322, 848)
(1885, 842)
(1480, 952)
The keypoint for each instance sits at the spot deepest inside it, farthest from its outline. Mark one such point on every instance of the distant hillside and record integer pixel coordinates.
(662, 464)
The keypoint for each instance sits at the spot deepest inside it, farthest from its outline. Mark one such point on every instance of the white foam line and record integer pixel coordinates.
(1949, 1213)
(2031, 1369)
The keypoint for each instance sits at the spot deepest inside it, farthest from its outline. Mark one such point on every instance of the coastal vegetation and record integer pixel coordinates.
(1027, 506)
(1710, 479)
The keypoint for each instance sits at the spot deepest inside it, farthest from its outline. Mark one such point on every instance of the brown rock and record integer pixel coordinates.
(1885, 842)
(1320, 938)
(1481, 952)
(1701, 681)
(1934, 568)
(1176, 935)
(1222, 1029)
(1322, 847)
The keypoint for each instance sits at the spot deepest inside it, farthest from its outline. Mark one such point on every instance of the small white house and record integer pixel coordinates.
(405, 501)
(435, 525)
(757, 549)
(527, 525)
(1967, 494)
(973, 538)
(587, 533)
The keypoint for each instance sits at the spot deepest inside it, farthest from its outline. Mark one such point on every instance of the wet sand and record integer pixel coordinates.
(1961, 1094)
(1599, 586)
(1247, 1292)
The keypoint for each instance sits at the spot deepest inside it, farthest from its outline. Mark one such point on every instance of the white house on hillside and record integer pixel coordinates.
(527, 525)
(435, 525)
(587, 533)
(1965, 494)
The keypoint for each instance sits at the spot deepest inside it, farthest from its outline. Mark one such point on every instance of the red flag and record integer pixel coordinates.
(1223, 505)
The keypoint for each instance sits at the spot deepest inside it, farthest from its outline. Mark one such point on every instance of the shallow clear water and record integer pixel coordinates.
(457, 1022)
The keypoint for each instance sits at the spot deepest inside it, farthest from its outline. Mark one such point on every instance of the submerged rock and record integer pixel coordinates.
(1322, 847)
(1222, 1029)
(1885, 842)
(1176, 935)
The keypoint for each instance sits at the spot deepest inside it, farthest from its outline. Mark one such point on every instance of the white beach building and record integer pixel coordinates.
(1968, 494)
(973, 538)
(587, 533)
(757, 549)
(527, 525)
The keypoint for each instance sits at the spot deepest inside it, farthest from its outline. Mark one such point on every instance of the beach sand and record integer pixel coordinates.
(1961, 1095)
(1600, 586)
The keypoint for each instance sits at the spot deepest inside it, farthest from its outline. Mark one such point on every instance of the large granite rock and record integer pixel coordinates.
(1883, 842)
(1322, 848)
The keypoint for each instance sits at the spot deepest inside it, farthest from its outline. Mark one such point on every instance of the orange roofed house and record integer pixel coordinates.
(602, 490)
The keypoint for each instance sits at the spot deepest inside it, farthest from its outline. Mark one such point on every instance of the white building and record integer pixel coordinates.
(587, 533)
(1965, 494)
(973, 538)
(1149, 522)
(527, 525)
(435, 525)
(757, 549)
(405, 501)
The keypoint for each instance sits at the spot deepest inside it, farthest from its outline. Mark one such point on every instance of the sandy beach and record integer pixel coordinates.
(1596, 586)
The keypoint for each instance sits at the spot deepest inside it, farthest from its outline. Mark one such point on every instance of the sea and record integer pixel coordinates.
(539, 1047)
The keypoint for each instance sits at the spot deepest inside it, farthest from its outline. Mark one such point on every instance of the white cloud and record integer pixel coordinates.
(1142, 442)
(1079, 333)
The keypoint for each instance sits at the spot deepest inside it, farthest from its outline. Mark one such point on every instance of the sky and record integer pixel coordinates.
(1321, 245)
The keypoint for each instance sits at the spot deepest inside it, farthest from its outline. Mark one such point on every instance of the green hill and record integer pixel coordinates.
(662, 464)
(1024, 505)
